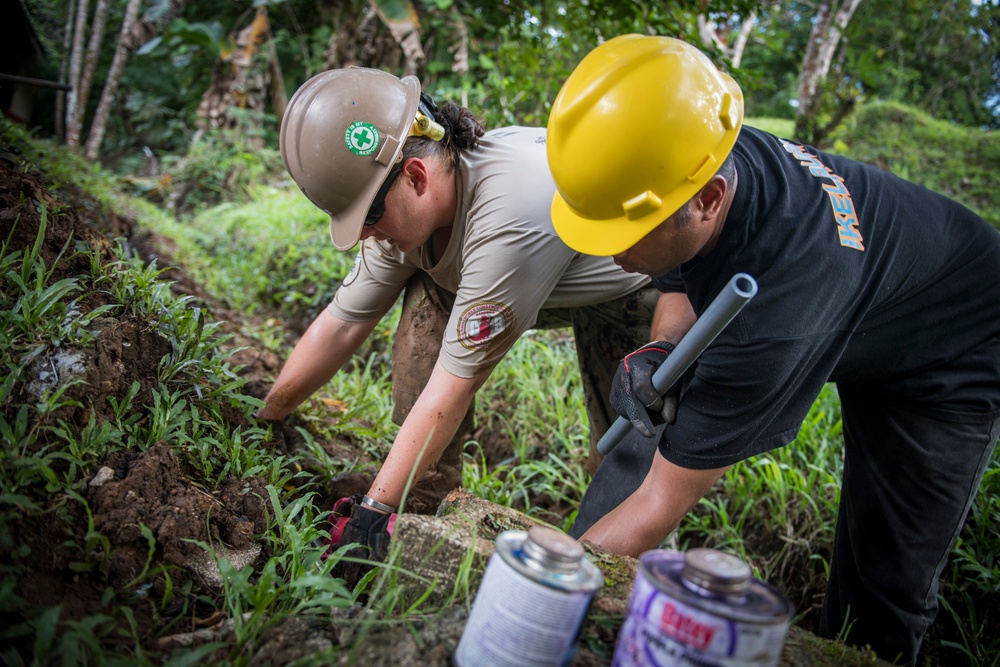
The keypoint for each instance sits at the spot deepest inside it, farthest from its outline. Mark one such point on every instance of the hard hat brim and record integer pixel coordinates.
(345, 228)
(601, 238)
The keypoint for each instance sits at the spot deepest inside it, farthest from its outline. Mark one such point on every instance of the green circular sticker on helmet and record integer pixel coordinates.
(362, 138)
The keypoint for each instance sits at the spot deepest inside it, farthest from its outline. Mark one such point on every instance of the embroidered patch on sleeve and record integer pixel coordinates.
(483, 324)
(355, 270)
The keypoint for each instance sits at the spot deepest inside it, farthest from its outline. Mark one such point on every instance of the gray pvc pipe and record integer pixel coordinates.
(730, 301)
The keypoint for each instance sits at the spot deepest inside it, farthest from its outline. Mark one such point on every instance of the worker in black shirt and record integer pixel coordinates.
(881, 286)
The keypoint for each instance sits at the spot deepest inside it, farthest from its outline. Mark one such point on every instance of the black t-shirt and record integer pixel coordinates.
(864, 279)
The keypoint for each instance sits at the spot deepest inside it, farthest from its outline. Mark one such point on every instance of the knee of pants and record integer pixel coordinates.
(402, 404)
(416, 344)
(594, 458)
(452, 455)
(618, 476)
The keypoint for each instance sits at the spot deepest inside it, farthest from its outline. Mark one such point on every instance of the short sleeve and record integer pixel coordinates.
(669, 282)
(374, 283)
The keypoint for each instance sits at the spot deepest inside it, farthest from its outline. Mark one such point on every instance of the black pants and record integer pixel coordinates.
(908, 483)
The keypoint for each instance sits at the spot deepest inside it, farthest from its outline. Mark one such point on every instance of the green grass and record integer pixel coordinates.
(533, 404)
(781, 127)
(46, 462)
(271, 254)
(44, 459)
(956, 161)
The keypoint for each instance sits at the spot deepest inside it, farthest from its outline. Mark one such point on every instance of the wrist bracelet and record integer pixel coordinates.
(376, 505)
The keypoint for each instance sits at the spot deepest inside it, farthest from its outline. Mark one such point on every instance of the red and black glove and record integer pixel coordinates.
(356, 523)
(633, 394)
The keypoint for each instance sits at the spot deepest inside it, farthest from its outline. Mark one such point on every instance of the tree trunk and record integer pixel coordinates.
(832, 18)
(90, 62)
(460, 48)
(111, 84)
(839, 24)
(358, 40)
(404, 26)
(60, 121)
(742, 38)
(279, 96)
(145, 29)
(241, 81)
(809, 75)
(75, 65)
(709, 33)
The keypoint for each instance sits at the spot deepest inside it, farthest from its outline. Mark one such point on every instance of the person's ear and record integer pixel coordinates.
(415, 171)
(711, 197)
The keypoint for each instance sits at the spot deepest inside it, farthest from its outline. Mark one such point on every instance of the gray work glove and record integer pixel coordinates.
(632, 392)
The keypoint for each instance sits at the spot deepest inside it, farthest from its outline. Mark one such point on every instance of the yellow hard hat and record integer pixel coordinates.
(341, 135)
(637, 129)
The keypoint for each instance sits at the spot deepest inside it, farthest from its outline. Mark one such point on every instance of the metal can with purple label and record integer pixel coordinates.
(531, 603)
(701, 607)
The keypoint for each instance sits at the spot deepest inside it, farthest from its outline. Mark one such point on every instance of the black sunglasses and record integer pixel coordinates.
(377, 209)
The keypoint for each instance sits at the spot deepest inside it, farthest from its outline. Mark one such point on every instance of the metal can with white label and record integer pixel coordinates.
(701, 607)
(531, 603)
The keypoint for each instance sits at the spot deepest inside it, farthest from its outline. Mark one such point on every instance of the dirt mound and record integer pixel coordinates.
(139, 527)
(66, 235)
(150, 490)
(26, 204)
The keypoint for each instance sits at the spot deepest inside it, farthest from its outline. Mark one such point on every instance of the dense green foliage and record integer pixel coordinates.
(523, 50)
(769, 72)
(506, 61)
(47, 459)
(938, 57)
(942, 58)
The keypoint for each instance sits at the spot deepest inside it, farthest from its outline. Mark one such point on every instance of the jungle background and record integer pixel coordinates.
(158, 264)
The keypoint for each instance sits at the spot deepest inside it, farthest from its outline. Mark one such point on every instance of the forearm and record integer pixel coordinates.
(646, 517)
(672, 318)
(622, 531)
(425, 433)
(323, 350)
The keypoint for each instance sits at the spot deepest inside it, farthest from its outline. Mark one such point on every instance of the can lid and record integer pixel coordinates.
(552, 549)
(715, 571)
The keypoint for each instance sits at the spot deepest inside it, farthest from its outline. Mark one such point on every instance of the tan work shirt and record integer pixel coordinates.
(504, 262)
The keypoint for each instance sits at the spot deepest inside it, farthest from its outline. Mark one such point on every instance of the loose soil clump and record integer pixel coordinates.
(157, 495)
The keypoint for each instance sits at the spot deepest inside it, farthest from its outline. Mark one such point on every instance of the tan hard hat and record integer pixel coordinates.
(342, 132)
